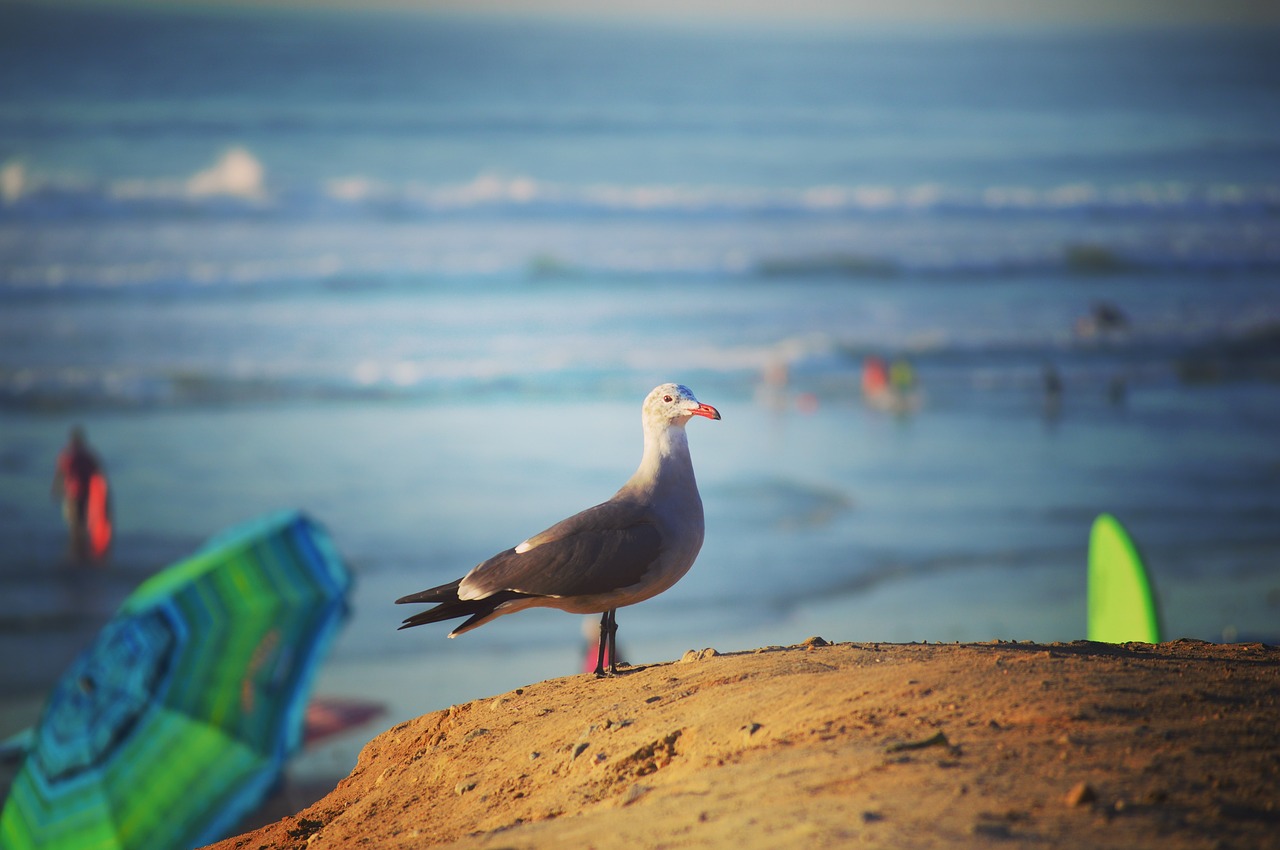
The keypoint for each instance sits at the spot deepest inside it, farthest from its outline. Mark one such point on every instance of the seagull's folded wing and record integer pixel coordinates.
(600, 550)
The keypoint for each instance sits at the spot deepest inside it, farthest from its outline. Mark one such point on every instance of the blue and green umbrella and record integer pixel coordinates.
(177, 721)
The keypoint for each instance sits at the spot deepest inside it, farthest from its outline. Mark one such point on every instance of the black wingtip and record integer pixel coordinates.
(443, 593)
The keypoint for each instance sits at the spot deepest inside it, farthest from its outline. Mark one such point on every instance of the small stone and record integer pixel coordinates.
(1081, 794)
(635, 792)
(697, 655)
(463, 787)
(938, 740)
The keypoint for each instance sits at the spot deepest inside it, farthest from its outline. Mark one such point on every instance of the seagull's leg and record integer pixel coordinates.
(604, 637)
(613, 640)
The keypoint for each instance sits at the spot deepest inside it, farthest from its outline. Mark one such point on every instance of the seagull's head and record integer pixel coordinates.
(675, 404)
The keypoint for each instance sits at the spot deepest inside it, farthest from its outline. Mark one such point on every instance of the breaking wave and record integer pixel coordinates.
(238, 174)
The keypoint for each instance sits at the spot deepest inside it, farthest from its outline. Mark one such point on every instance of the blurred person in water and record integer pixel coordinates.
(82, 485)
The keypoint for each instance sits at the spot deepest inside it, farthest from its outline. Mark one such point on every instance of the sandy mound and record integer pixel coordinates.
(1065, 745)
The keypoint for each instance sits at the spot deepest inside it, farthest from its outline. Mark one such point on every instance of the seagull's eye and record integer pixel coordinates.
(667, 398)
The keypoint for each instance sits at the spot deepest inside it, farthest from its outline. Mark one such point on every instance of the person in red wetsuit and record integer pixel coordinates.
(81, 484)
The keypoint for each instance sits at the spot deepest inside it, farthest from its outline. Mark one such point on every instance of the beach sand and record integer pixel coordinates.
(921, 745)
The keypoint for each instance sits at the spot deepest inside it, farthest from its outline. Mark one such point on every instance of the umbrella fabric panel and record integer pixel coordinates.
(304, 559)
(112, 684)
(84, 820)
(145, 800)
(256, 670)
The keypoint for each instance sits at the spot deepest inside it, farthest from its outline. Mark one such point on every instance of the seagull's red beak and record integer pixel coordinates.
(706, 410)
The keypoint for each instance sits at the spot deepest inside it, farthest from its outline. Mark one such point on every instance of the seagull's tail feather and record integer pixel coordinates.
(450, 607)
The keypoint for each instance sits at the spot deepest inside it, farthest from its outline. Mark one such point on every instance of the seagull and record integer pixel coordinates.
(620, 552)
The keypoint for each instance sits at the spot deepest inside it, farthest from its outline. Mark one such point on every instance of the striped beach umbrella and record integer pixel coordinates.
(177, 721)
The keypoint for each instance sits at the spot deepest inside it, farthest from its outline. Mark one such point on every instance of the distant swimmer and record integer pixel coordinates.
(1117, 391)
(1104, 319)
(902, 375)
(772, 390)
(1052, 391)
(875, 377)
(81, 484)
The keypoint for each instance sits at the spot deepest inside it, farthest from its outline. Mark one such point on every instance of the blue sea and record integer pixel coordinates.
(414, 275)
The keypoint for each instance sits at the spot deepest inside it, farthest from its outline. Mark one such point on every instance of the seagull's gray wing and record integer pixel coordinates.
(599, 550)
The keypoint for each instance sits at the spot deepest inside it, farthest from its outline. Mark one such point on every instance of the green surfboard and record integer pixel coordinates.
(1121, 603)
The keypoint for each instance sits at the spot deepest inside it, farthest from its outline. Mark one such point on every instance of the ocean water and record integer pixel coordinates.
(415, 274)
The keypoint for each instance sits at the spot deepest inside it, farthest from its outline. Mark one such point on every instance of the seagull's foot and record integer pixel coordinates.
(612, 671)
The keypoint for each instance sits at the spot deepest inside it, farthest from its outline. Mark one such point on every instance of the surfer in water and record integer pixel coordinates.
(82, 486)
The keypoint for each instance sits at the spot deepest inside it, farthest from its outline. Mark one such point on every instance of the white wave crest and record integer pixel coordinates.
(496, 191)
(236, 174)
(13, 181)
